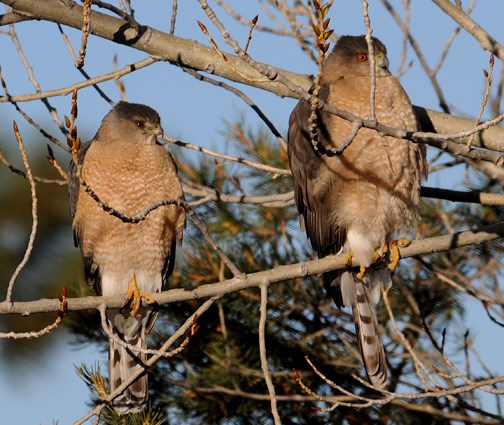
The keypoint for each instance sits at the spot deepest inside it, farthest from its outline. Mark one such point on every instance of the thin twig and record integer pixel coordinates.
(89, 82)
(173, 16)
(243, 97)
(31, 76)
(81, 70)
(423, 61)
(86, 26)
(139, 370)
(23, 174)
(262, 352)
(134, 348)
(486, 41)
(251, 29)
(321, 36)
(419, 365)
(450, 40)
(372, 60)
(484, 101)
(275, 171)
(29, 119)
(129, 17)
(33, 334)
(33, 233)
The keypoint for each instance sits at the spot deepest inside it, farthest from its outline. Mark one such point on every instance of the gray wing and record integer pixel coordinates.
(313, 181)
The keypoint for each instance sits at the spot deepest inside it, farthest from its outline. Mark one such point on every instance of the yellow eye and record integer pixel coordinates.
(362, 57)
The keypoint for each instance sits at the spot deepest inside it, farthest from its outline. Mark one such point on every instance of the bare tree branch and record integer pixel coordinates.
(278, 274)
(486, 41)
(34, 212)
(13, 18)
(193, 55)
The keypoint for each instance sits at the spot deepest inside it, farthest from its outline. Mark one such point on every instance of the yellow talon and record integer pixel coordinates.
(135, 295)
(404, 242)
(347, 261)
(390, 250)
(362, 273)
(379, 253)
(394, 255)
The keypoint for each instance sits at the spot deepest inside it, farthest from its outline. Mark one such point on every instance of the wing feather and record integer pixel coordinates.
(91, 270)
(313, 181)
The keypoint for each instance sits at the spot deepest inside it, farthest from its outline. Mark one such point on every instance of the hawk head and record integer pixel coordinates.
(350, 58)
(130, 123)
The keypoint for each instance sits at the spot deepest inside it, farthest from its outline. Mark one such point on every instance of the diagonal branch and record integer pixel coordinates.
(139, 370)
(275, 275)
(486, 41)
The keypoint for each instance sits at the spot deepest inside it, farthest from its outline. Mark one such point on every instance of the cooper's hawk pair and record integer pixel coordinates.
(355, 202)
(359, 201)
(128, 170)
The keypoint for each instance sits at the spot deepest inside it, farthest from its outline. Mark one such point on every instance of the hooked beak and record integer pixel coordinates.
(381, 60)
(157, 131)
(153, 134)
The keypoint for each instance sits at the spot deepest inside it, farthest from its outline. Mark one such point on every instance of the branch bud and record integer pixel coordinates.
(202, 27)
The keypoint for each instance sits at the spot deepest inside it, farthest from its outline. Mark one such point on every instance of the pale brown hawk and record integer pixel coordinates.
(361, 200)
(128, 170)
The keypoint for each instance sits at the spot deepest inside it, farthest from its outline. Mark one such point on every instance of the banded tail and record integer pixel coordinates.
(363, 296)
(123, 362)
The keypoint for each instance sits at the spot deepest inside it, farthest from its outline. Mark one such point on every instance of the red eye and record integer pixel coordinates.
(362, 57)
(140, 124)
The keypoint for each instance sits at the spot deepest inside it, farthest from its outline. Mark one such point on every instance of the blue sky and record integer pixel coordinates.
(194, 112)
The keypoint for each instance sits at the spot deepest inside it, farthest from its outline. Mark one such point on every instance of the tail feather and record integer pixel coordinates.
(368, 335)
(347, 290)
(123, 362)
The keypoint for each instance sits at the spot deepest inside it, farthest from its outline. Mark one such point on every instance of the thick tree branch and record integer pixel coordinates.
(474, 197)
(278, 274)
(486, 41)
(12, 18)
(190, 54)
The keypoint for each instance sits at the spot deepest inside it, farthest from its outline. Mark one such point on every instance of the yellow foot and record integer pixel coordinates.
(362, 273)
(394, 255)
(135, 295)
(347, 261)
(380, 253)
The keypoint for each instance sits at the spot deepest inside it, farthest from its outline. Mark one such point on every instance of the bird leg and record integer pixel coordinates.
(347, 261)
(394, 255)
(362, 272)
(388, 248)
(378, 254)
(135, 295)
